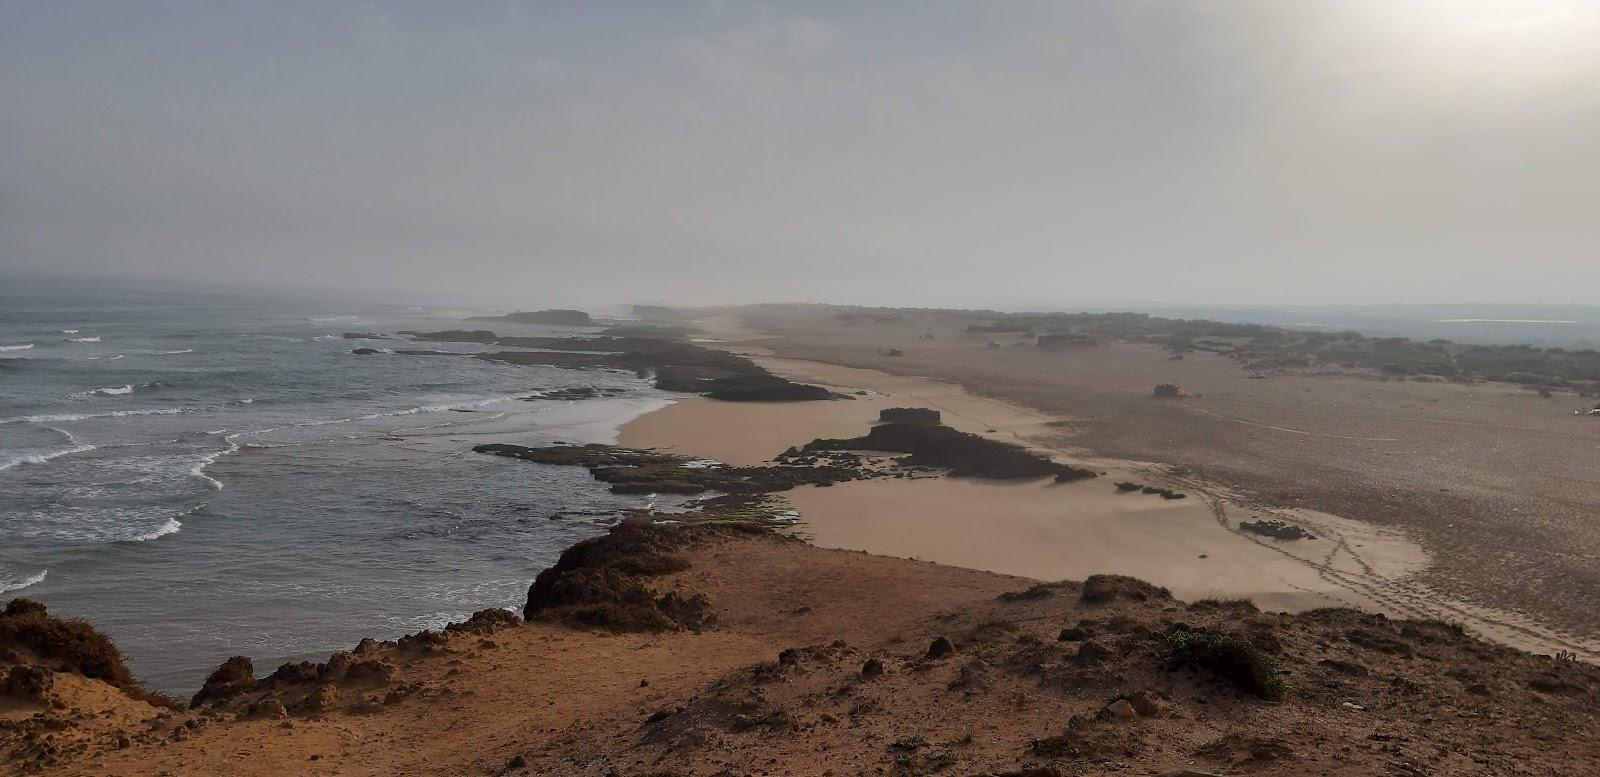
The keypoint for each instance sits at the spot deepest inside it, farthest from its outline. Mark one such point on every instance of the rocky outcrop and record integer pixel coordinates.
(235, 676)
(657, 313)
(963, 454)
(765, 388)
(909, 415)
(601, 582)
(677, 366)
(483, 336)
(648, 472)
(1275, 529)
(551, 317)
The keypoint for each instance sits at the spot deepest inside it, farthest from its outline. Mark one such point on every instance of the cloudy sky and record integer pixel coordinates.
(921, 153)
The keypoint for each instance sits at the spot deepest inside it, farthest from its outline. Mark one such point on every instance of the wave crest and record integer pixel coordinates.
(17, 584)
(40, 458)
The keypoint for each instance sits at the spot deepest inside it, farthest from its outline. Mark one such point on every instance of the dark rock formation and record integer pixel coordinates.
(600, 582)
(28, 682)
(235, 676)
(963, 454)
(1275, 529)
(647, 472)
(908, 415)
(678, 366)
(455, 336)
(657, 313)
(365, 336)
(365, 351)
(1169, 391)
(554, 317)
(764, 388)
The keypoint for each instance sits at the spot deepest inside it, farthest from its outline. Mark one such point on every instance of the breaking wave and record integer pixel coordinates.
(40, 458)
(103, 392)
(83, 339)
(57, 418)
(22, 347)
(17, 584)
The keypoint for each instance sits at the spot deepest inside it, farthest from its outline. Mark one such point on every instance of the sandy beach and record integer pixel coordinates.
(1049, 531)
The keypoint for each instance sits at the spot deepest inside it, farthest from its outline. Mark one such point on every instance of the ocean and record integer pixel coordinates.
(203, 474)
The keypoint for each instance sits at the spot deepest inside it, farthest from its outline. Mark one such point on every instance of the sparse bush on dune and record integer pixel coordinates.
(29, 631)
(1099, 589)
(1229, 657)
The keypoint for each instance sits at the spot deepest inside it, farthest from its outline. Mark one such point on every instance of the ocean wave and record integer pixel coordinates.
(172, 526)
(409, 411)
(170, 353)
(206, 460)
(17, 584)
(112, 391)
(335, 318)
(83, 339)
(22, 347)
(69, 331)
(61, 418)
(40, 458)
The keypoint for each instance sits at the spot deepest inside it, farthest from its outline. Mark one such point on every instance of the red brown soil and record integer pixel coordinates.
(776, 687)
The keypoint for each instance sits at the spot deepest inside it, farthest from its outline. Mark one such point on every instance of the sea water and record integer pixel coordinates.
(202, 474)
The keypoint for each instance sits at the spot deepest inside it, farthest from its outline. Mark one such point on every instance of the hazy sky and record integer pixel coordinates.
(982, 153)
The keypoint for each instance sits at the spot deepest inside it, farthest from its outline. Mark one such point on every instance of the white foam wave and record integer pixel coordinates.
(22, 347)
(199, 469)
(170, 353)
(61, 418)
(172, 526)
(69, 331)
(335, 318)
(410, 411)
(114, 358)
(83, 340)
(40, 458)
(112, 391)
(18, 584)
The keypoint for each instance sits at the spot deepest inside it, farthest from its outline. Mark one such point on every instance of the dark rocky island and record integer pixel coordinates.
(553, 317)
(676, 366)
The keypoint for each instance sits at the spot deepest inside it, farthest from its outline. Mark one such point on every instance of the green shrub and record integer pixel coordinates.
(1228, 657)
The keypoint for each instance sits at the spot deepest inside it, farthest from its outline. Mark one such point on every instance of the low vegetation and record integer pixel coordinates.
(30, 636)
(1228, 657)
(1261, 347)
